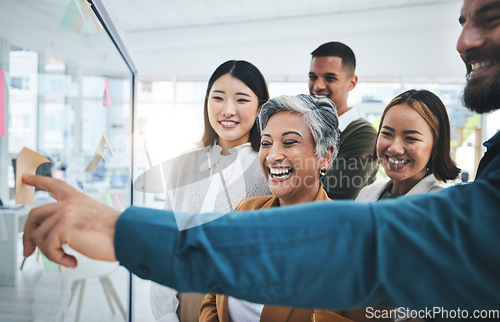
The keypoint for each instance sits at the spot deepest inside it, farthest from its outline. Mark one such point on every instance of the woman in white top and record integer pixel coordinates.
(214, 178)
(413, 146)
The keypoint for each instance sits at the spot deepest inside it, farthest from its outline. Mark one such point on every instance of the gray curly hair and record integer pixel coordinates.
(320, 115)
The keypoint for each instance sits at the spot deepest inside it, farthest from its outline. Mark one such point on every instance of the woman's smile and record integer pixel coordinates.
(228, 124)
(396, 163)
(280, 173)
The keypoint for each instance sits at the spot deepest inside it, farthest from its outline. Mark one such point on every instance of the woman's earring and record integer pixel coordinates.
(322, 171)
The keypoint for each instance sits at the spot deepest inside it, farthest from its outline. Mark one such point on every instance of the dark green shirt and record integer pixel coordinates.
(352, 169)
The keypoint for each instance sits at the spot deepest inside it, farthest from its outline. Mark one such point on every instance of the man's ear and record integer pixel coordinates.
(352, 82)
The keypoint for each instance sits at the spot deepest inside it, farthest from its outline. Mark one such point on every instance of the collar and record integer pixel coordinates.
(214, 155)
(494, 140)
(345, 119)
(274, 201)
(422, 186)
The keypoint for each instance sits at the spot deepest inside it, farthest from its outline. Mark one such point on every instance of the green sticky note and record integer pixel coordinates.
(48, 265)
(109, 201)
(70, 15)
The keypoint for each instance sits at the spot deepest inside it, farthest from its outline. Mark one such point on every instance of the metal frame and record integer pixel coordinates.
(114, 34)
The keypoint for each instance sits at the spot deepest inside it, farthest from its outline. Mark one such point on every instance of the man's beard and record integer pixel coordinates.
(482, 99)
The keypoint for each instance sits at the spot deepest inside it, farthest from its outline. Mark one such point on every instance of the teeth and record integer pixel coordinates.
(397, 162)
(483, 64)
(279, 171)
(229, 123)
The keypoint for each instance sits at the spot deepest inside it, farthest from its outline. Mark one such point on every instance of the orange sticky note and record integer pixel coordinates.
(82, 19)
(91, 13)
(27, 162)
(2, 103)
(106, 99)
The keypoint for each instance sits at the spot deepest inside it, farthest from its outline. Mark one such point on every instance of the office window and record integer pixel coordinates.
(65, 88)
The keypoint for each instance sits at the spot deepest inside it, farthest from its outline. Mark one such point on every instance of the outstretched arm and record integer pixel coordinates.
(77, 220)
(335, 255)
(322, 254)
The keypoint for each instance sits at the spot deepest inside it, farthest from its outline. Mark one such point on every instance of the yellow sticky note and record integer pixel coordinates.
(27, 162)
(99, 153)
(91, 13)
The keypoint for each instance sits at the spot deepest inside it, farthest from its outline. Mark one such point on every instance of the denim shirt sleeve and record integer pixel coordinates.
(439, 249)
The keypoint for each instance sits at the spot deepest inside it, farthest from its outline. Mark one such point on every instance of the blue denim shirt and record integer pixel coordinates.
(436, 250)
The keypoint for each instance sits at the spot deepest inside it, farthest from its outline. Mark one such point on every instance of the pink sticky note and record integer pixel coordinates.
(2, 103)
(117, 201)
(106, 99)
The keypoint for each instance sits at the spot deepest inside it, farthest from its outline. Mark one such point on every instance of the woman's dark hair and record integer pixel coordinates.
(433, 111)
(253, 78)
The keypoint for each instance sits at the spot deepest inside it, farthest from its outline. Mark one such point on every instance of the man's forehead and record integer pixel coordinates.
(471, 8)
(326, 62)
(328, 58)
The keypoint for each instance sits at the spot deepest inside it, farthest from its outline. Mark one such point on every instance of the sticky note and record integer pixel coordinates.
(79, 6)
(78, 25)
(48, 265)
(27, 162)
(85, 11)
(99, 153)
(96, 24)
(116, 201)
(106, 99)
(108, 202)
(3, 119)
(70, 15)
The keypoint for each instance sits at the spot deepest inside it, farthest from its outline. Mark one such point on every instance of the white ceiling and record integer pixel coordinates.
(153, 15)
(391, 38)
(190, 38)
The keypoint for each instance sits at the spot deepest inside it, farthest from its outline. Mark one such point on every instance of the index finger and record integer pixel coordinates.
(57, 188)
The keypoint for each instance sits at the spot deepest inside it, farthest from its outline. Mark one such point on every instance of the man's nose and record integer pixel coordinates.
(471, 37)
(320, 84)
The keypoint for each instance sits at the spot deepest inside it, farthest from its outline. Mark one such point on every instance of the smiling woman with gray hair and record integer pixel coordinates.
(320, 116)
(299, 139)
